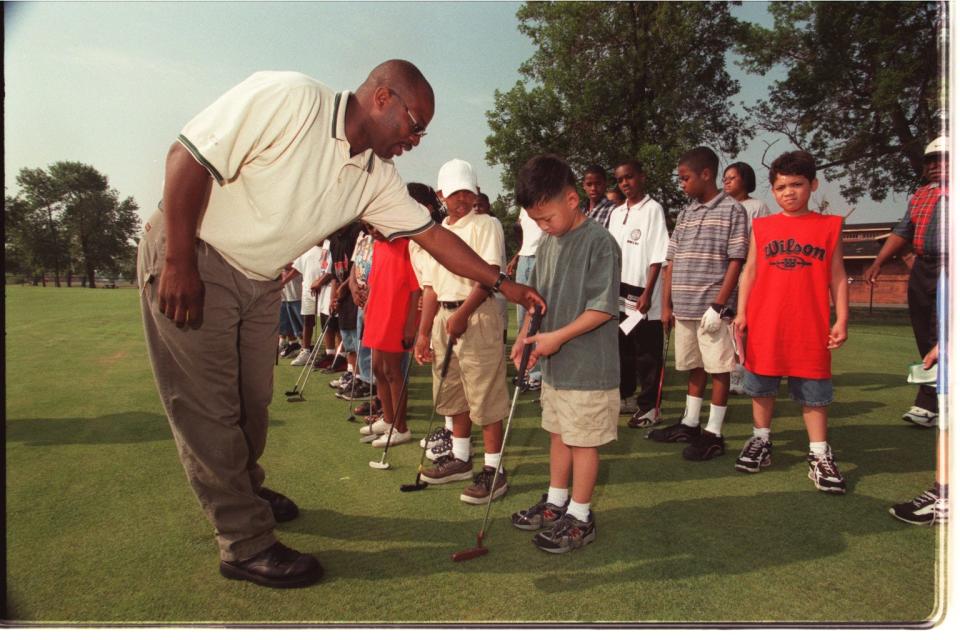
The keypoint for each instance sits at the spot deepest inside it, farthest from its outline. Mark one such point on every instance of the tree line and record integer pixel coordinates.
(67, 221)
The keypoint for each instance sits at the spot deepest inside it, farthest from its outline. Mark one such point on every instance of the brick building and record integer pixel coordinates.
(861, 244)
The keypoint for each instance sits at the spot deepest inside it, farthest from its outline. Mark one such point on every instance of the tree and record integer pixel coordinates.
(612, 81)
(862, 91)
(68, 217)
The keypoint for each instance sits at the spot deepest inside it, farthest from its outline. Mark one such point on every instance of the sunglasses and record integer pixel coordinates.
(418, 130)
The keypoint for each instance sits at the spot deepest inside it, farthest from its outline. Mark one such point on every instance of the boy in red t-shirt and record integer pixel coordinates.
(794, 267)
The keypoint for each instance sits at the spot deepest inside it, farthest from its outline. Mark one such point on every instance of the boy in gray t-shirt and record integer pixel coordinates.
(577, 271)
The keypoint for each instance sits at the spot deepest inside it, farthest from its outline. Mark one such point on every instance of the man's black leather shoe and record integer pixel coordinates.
(276, 566)
(284, 509)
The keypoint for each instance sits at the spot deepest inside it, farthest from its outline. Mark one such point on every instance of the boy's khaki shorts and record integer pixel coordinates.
(697, 349)
(477, 378)
(580, 418)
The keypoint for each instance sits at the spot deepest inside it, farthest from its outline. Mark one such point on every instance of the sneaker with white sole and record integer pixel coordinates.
(543, 514)
(447, 469)
(628, 406)
(302, 358)
(646, 419)
(377, 428)
(567, 534)
(825, 474)
(397, 437)
(928, 508)
(343, 382)
(479, 491)
(442, 448)
(754, 455)
(435, 438)
(920, 417)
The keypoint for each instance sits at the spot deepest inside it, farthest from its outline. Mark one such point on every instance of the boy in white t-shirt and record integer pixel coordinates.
(291, 322)
(640, 229)
(310, 266)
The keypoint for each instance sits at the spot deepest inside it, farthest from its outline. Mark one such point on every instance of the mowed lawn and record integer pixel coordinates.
(102, 527)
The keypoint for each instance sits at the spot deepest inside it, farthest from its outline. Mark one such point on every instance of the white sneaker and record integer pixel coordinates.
(302, 358)
(642, 421)
(628, 406)
(920, 417)
(378, 427)
(395, 438)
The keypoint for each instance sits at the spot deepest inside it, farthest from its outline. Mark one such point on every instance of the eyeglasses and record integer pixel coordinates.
(418, 130)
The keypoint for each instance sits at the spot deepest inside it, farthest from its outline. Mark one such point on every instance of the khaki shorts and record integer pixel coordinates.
(477, 378)
(581, 418)
(697, 349)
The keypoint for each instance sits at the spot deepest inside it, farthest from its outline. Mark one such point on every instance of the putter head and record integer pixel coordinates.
(297, 398)
(290, 393)
(370, 438)
(352, 418)
(416, 486)
(376, 464)
(469, 554)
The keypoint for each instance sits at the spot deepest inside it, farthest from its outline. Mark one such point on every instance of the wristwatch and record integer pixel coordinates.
(496, 285)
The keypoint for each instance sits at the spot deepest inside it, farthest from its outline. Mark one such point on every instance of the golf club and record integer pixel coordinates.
(417, 485)
(356, 374)
(308, 367)
(663, 370)
(383, 464)
(520, 383)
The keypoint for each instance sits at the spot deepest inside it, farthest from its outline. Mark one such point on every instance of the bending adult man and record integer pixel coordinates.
(270, 168)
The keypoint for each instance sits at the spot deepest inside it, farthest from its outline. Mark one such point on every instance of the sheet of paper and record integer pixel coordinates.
(632, 320)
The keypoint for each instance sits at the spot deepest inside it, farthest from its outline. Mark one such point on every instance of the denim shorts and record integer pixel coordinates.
(348, 338)
(808, 392)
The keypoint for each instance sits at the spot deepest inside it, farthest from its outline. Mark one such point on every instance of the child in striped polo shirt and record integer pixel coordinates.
(704, 257)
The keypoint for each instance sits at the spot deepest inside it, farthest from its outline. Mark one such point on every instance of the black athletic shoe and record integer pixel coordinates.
(678, 432)
(567, 534)
(343, 382)
(543, 514)
(359, 391)
(825, 474)
(290, 349)
(365, 410)
(705, 447)
(754, 455)
(276, 566)
(928, 508)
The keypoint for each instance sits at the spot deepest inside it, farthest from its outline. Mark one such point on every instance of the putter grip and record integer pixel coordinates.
(528, 348)
(446, 359)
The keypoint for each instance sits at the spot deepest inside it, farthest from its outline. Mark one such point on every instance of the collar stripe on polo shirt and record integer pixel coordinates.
(199, 158)
(336, 120)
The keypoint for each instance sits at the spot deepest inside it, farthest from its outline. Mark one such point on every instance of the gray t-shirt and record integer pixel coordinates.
(574, 272)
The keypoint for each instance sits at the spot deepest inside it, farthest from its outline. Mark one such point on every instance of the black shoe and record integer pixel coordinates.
(284, 509)
(754, 456)
(674, 433)
(290, 349)
(365, 410)
(704, 447)
(276, 566)
(929, 508)
(358, 391)
(567, 534)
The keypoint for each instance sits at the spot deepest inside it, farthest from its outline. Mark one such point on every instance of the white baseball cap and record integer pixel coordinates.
(940, 145)
(457, 175)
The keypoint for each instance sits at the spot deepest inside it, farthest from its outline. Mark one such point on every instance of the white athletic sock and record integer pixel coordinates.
(558, 496)
(330, 352)
(491, 460)
(715, 421)
(691, 416)
(448, 423)
(349, 367)
(763, 434)
(819, 448)
(461, 448)
(579, 511)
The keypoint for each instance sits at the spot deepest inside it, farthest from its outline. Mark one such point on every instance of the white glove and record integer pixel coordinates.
(711, 322)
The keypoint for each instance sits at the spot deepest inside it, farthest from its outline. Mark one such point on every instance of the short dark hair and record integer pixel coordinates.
(596, 170)
(482, 196)
(794, 163)
(746, 174)
(426, 196)
(701, 158)
(542, 178)
(635, 164)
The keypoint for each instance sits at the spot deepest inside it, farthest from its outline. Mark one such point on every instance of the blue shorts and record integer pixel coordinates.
(348, 338)
(808, 392)
(291, 323)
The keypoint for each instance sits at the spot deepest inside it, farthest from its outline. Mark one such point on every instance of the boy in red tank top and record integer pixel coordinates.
(794, 267)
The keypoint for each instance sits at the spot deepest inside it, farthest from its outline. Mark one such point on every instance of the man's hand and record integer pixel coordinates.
(932, 356)
(740, 324)
(643, 303)
(516, 352)
(421, 350)
(711, 321)
(838, 335)
(666, 317)
(456, 325)
(523, 295)
(180, 294)
(870, 275)
(512, 266)
(544, 344)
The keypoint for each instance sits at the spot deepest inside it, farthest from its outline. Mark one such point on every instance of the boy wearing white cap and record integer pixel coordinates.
(461, 310)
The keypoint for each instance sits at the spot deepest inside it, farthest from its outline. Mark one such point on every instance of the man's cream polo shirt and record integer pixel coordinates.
(485, 236)
(277, 147)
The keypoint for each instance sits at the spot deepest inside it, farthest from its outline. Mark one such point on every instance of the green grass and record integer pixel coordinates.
(103, 528)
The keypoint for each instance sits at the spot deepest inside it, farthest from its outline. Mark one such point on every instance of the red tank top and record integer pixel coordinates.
(788, 311)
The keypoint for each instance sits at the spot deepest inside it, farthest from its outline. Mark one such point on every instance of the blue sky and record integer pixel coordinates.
(111, 84)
